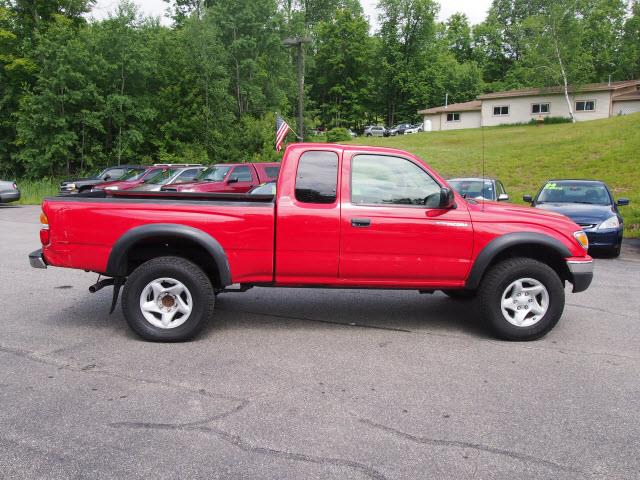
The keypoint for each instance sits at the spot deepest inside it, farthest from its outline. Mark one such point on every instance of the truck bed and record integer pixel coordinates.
(187, 196)
(85, 227)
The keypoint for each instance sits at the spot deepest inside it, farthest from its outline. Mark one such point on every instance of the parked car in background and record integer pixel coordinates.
(414, 129)
(9, 191)
(170, 176)
(229, 177)
(591, 205)
(134, 178)
(480, 188)
(71, 187)
(375, 131)
(268, 188)
(399, 129)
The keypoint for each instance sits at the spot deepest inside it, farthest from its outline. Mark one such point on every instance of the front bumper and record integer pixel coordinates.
(581, 274)
(607, 238)
(36, 260)
(10, 196)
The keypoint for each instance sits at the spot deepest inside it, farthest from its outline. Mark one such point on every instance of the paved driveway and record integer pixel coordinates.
(312, 384)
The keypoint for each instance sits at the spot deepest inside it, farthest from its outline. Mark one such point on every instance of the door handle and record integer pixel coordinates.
(360, 222)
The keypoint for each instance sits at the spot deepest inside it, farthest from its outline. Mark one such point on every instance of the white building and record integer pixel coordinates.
(589, 102)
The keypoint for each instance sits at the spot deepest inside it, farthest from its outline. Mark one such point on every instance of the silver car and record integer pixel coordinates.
(375, 131)
(9, 192)
(170, 175)
(480, 188)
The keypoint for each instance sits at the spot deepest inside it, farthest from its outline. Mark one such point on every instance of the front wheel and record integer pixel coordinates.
(521, 299)
(167, 299)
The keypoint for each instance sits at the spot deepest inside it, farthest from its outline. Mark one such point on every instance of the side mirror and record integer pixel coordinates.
(622, 202)
(233, 180)
(527, 198)
(107, 177)
(443, 199)
(503, 197)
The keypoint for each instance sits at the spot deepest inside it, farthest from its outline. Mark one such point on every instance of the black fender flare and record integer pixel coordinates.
(509, 240)
(117, 265)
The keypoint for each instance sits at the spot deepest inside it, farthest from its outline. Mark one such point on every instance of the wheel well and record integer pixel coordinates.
(542, 253)
(147, 249)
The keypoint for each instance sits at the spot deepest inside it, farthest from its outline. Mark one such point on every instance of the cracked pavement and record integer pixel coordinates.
(313, 384)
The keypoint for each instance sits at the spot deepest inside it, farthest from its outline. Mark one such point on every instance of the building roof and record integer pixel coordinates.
(626, 97)
(454, 107)
(591, 87)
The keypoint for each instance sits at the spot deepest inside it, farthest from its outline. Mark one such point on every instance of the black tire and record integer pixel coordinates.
(500, 277)
(615, 251)
(191, 276)
(460, 294)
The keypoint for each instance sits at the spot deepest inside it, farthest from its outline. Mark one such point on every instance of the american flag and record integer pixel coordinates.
(282, 128)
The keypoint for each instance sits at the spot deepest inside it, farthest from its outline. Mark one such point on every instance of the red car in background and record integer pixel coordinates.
(137, 177)
(229, 177)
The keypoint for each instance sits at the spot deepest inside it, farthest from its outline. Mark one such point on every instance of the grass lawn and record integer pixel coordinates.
(524, 157)
(33, 191)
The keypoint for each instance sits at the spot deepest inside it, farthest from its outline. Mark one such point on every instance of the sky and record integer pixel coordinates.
(476, 10)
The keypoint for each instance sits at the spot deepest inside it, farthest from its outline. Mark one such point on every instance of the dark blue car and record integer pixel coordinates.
(590, 204)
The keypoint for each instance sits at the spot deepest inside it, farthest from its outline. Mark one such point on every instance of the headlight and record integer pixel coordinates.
(582, 239)
(611, 222)
(71, 186)
(114, 187)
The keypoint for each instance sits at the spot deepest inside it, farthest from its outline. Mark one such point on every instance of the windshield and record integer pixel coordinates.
(265, 189)
(480, 189)
(213, 174)
(574, 192)
(162, 177)
(133, 174)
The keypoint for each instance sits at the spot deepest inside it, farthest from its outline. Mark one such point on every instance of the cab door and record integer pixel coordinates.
(308, 217)
(241, 179)
(390, 233)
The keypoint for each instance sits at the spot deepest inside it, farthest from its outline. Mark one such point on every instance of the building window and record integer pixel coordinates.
(537, 108)
(453, 117)
(500, 110)
(585, 106)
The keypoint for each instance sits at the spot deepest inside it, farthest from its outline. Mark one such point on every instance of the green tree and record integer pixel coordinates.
(342, 71)
(457, 37)
(406, 39)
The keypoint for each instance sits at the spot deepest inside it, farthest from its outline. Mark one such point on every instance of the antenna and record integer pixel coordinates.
(482, 134)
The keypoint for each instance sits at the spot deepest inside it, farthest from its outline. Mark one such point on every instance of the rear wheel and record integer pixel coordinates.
(167, 299)
(521, 299)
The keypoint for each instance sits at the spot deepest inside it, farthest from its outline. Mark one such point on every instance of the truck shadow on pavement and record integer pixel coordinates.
(303, 309)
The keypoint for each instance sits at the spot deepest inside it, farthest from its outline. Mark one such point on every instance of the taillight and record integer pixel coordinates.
(44, 229)
(15, 186)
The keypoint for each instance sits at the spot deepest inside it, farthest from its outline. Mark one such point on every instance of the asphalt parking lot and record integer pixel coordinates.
(313, 384)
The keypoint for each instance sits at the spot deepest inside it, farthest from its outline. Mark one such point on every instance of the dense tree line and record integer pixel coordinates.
(78, 94)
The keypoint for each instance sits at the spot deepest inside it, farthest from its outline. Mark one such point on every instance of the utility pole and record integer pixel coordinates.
(299, 42)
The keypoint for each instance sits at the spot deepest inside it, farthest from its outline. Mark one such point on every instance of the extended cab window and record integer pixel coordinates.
(242, 174)
(385, 180)
(317, 177)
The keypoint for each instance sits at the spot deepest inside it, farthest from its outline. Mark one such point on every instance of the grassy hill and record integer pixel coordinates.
(523, 157)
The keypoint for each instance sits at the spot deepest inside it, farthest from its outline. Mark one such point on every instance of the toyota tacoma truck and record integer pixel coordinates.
(343, 216)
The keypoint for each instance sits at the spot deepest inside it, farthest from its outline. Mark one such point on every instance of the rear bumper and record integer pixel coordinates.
(581, 274)
(11, 196)
(36, 260)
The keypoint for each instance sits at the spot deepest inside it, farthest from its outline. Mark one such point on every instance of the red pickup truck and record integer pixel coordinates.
(229, 177)
(342, 217)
